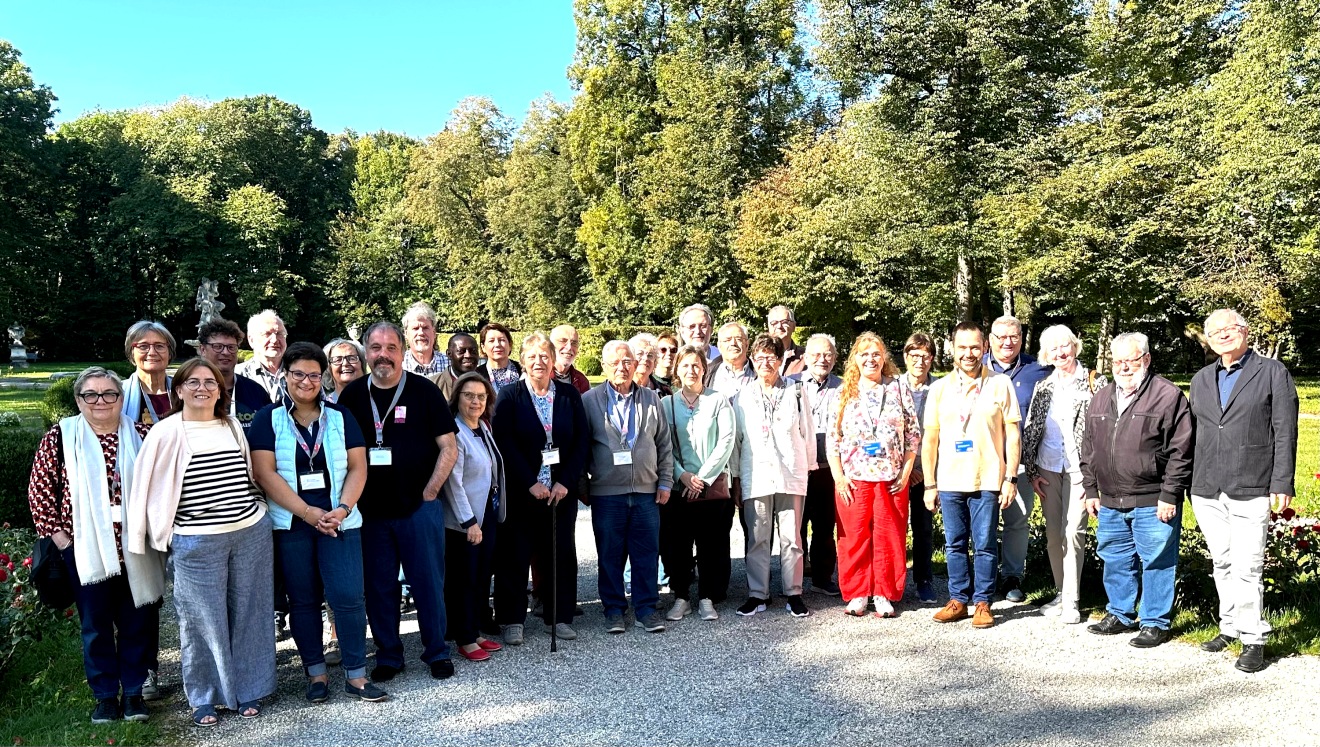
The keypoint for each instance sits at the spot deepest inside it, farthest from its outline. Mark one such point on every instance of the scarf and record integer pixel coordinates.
(135, 399)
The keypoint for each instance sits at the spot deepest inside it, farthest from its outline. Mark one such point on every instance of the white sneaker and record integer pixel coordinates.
(151, 687)
(1070, 616)
(680, 610)
(883, 608)
(706, 610)
(857, 607)
(1052, 607)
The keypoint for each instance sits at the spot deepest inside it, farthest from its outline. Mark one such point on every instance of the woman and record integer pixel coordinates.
(1050, 441)
(872, 449)
(666, 350)
(919, 356)
(348, 363)
(193, 495)
(497, 344)
(702, 429)
(644, 347)
(81, 480)
(776, 447)
(474, 507)
(541, 429)
(311, 460)
(150, 348)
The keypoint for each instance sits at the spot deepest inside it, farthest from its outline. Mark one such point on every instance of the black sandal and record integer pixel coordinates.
(251, 705)
(201, 713)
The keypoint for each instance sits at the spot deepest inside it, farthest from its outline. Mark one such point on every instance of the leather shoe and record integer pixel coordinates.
(952, 612)
(1110, 625)
(1149, 637)
(442, 669)
(983, 618)
(384, 673)
(1252, 658)
(1218, 643)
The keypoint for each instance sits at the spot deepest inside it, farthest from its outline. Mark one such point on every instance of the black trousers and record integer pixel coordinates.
(707, 525)
(526, 533)
(818, 511)
(468, 571)
(923, 533)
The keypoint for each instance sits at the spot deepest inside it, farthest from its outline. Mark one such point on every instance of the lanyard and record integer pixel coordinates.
(768, 407)
(965, 414)
(315, 448)
(874, 422)
(821, 397)
(548, 425)
(375, 413)
(146, 400)
(624, 423)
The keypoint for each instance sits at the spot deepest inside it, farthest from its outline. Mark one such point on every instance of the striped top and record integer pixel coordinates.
(217, 495)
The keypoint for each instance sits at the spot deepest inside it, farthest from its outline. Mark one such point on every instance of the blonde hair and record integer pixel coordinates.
(852, 372)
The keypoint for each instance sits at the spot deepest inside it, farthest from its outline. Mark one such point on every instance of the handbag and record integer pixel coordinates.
(50, 574)
(716, 490)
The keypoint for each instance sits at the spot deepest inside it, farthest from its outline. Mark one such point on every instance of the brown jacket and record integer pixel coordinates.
(1143, 456)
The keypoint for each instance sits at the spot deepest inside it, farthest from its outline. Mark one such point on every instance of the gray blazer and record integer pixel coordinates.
(652, 454)
(468, 487)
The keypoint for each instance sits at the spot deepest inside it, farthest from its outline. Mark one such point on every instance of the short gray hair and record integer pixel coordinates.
(613, 345)
(1141, 342)
(644, 341)
(821, 336)
(703, 308)
(1007, 319)
(386, 325)
(1230, 313)
(142, 329)
(741, 328)
(357, 346)
(419, 310)
(791, 316)
(265, 315)
(1054, 334)
(97, 372)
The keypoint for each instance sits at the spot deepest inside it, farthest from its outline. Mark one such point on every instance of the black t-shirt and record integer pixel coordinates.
(249, 398)
(395, 491)
(261, 437)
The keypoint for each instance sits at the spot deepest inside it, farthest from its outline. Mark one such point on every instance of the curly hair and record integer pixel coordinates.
(852, 372)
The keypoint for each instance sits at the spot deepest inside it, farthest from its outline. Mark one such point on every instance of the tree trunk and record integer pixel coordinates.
(1102, 345)
(962, 286)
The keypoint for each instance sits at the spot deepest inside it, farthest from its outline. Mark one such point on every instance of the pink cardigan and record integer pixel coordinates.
(158, 482)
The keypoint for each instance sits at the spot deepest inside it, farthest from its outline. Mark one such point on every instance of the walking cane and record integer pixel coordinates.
(552, 603)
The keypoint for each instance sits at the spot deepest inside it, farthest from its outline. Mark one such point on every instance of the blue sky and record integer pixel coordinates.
(392, 65)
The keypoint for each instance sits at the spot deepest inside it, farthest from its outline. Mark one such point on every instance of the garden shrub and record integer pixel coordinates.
(17, 447)
(58, 402)
(23, 618)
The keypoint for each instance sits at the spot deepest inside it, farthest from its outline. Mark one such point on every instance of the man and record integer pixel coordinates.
(695, 323)
(1006, 357)
(1136, 460)
(731, 370)
(821, 390)
(1245, 408)
(419, 327)
(268, 338)
(969, 456)
(632, 470)
(566, 342)
(411, 450)
(219, 340)
(781, 324)
(463, 356)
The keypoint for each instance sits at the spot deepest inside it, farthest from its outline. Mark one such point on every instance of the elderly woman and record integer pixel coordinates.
(149, 347)
(919, 357)
(776, 447)
(474, 507)
(645, 347)
(541, 429)
(497, 343)
(872, 449)
(1051, 438)
(666, 351)
(702, 428)
(348, 363)
(310, 458)
(81, 480)
(193, 495)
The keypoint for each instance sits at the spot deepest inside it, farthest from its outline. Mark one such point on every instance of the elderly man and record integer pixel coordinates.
(632, 470)
(411, 450)
(1136, 459)
(695, 324)
(1006, 357)
(219, 340)
(463, 356)
(566, 342)
(781, 324)
(419, 328)
(820, 387)
(1245, 407)
(969, 456)
(268, 338)
(731, 370)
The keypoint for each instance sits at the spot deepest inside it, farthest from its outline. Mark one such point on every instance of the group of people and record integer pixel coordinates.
(326, 477)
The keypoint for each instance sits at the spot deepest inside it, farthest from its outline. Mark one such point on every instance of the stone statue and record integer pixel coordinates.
(16, 333)
(17, 351)
(208, 301)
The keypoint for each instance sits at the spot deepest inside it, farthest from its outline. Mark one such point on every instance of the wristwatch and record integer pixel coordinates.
(1012, 479)
(347, 509)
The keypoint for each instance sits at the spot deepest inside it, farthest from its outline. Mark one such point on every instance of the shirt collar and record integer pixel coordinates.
(1237, 364)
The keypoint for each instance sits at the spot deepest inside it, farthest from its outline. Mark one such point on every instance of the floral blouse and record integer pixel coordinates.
(885, 415)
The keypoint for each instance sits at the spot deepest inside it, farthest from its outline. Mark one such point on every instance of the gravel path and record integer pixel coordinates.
(773, 679)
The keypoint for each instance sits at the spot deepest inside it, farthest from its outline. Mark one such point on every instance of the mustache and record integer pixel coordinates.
(381, 361)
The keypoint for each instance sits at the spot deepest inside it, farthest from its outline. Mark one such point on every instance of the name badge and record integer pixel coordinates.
(400, 414)
(622, 457)
(381, 456)
(312, 481)
(962, 446)
(117, 513)
(550, 457)
(873, 448)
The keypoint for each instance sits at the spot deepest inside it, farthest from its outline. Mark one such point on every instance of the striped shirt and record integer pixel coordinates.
(217, 495)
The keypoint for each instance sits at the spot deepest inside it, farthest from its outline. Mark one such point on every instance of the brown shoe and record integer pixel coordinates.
(983, 618)
(952, 612)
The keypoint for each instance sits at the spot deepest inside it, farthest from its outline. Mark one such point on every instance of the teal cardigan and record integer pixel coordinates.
(704, 442)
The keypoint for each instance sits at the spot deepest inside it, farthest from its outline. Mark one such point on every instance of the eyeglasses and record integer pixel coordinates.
(1129, 362)
(92, 398)
(1225, 331)
(300, 377)
(919, 357)
(340, 360)
(193, 385)
(220, 347)
(765, 360)
(1009, 338)
(780, 322)
(150, 347)
(474, 396)
(622, 363)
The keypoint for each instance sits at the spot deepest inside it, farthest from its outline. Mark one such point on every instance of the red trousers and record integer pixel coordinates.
(873, 541)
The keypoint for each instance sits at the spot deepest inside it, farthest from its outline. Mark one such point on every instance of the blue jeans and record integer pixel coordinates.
(971, 517)
(417, 544)
(117, 637)
(1133, 542)
(627, 527)
(318, 568)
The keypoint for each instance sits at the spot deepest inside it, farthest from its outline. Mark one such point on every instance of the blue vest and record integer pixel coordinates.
(336, 458)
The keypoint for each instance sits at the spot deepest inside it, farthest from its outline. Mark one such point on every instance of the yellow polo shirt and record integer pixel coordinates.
(989, 413)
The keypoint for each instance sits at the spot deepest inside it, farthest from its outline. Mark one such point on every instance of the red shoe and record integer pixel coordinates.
(480, 654)
(487, 644)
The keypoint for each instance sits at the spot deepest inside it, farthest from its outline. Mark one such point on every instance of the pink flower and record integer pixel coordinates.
(27, 562)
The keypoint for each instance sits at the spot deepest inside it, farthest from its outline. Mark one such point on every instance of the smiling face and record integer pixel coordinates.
(463, 355)
(1227, 335)
(919, 361)
(385, 351)
(733, 345)
(619, 366)
(820, 358)
(151, 354)
(222, 352)
(538, 361)
(664, 356)
(1005, 342)
(199, 393)
(497, 347)
(103, 411)
(780, 325)
(268, 340)
(645, 364)
(968, 347)
(567, 343)
(870, 360)
(345, 365)
(1130, 364)
(304, 381)
(766, 365)
(472, 399)
(695, 327)
(421, 337)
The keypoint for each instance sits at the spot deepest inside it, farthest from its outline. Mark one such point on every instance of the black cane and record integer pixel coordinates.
(551, 603)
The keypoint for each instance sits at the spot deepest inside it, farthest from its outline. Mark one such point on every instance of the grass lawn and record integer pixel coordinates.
(42, 371)
(25, 402)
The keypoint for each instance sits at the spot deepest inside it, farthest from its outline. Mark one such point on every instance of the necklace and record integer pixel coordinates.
(690, 403)
(305, 419)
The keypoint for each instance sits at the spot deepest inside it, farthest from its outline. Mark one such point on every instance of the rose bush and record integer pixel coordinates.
(23, 618)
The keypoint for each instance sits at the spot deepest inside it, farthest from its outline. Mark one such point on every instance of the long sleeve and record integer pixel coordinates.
(519, 475)
(1086, 450)
(664, 450)
(1284, 409)
(576, 462)
(1178, 468)
(806, 425)
(719, 457)
(47, 489)
(454, 490)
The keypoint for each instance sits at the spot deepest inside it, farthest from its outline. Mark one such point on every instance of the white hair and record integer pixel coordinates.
(741, 328)
(1232, 314)
(703, 308)
(644, 341)
(608, 352)
(821, 336)
(1054, 335)
(419, 310)
(1007, 319)
(791, 316)
(265, 316)
(1141, 342)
